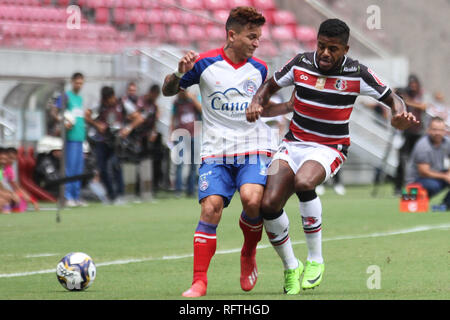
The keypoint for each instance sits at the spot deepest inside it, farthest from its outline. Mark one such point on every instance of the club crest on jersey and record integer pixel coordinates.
(340, 84)
(250, 87)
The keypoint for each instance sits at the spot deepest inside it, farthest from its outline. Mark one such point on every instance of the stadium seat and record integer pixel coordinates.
(158, 31)
(192, 4)
(120, 16)
(102, 15)
(195, 32)
(239, 3)
(221, 16)
(141, 30)
(305, 33)
(177, 33)
(96, 4)
(155, 16)
(137, 16)
(283, 17)
(282, 33)
(266, 33)
(267, 49)
(201, 17)
(63, 3)
(172, 16)
(215, 32)
(216, 5)
(264, 4)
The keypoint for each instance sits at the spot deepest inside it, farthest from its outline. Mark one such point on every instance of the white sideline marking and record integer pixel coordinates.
(264, 246)
(38, 255)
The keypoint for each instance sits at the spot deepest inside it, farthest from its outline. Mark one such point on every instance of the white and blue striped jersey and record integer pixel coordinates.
(227, 89)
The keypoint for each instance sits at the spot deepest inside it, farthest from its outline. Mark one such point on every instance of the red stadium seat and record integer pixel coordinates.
(266, 32)
(215, 5)
(158, 31)
(161, 4)
(141, 30)
(305, 33)
(120, 16)
(195, 32)
(132, 4)
(102, 15)
(172, 16)
(192, 4)
(177, 33)
(221, 15)
(155, 16)
(137, 16)
(96, 3)
(282, 33)
(283, 17)
(201, 17)
(239, 3)
(267, 49)
(63, 3)
(215, 32)
(264, 4)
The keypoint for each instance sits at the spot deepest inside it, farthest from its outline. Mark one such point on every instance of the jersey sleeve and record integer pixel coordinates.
(285, 76)
(192, 76)
(371, 85)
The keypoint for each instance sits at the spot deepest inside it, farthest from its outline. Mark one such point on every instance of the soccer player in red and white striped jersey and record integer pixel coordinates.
(326, 84)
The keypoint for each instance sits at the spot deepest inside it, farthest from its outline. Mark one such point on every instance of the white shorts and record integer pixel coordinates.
(296, 153)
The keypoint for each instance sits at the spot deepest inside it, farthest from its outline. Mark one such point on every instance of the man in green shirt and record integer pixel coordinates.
(75, 136)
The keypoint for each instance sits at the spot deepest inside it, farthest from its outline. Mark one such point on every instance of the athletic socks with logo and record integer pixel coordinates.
(311, 212)
(277, 229)
(205, 243)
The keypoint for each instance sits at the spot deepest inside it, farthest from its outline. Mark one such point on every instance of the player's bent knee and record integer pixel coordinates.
(304, 184)
(211, 211)
(270, 209)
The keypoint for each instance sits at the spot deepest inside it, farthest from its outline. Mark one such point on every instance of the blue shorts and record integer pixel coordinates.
(223, 176)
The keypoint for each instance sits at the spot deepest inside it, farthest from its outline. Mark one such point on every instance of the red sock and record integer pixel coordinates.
(204, 249)
(252, 230)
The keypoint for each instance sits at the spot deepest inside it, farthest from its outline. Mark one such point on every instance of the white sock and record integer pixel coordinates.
(311, 212)
(278, 232)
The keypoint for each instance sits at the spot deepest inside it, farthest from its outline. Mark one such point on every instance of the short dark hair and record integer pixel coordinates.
(77, 75)
(106, 93)
(154, 88)
(11, 150)
(335, 28)
(131, 83)
(241, 16)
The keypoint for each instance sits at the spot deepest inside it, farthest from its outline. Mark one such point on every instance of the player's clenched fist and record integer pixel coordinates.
(253, 112)
(186, 63)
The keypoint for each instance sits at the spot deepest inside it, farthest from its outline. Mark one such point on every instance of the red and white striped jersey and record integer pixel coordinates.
(324, 101)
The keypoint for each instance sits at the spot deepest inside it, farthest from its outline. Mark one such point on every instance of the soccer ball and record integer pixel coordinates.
(76, 271)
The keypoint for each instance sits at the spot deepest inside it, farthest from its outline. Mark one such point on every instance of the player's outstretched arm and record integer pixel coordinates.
(261, 99)
(171, 84)
(401, 119)
(276, 109)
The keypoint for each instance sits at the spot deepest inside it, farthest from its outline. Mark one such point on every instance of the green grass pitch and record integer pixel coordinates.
(144, 251)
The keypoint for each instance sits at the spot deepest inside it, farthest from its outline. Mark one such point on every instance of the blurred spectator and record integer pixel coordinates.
(429, 162)
(413, 97)
(10, 183)
(438, 108)
(150, 137)
(113, 122)
(75, 135)
(7, 197)
(186, 110)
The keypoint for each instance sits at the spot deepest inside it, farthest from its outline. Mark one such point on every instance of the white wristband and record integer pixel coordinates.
(178, 74)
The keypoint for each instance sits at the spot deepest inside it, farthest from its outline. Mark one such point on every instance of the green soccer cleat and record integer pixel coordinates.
(292, 279)
(313, 274)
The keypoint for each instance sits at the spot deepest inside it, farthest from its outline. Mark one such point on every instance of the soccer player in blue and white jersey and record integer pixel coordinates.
(234, 152)
(327, 83)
